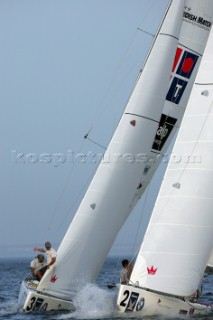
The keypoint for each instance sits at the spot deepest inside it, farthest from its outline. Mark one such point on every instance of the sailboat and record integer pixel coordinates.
(177, 244)
(116, 185)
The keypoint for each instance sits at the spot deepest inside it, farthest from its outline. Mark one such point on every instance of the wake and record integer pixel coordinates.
(93, 302)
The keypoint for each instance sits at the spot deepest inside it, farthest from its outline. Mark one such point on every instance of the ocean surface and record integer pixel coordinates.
(95, 301)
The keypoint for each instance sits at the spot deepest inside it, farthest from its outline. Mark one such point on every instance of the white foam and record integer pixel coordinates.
(8, 308)
(93, 302)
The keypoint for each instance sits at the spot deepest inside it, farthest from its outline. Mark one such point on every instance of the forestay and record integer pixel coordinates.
(178, 242)
(106, 204)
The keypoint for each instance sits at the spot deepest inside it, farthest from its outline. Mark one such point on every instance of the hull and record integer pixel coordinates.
(31, 300)
(145, 303)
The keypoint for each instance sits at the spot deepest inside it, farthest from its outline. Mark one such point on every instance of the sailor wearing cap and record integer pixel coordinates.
(50, 253)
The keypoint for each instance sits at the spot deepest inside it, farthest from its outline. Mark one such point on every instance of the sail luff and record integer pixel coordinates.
(105, 205)
(178, 241)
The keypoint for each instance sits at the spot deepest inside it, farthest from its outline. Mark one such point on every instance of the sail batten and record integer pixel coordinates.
(141, 116)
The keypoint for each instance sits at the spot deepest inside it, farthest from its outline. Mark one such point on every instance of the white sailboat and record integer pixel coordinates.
(178, 242)
(107, 201)
(150, 119)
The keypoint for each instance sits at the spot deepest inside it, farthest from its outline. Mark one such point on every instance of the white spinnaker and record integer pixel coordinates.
(105, 205)
(194, 34)
(178, 242)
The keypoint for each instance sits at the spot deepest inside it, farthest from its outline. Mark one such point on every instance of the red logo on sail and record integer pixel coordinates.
(151, 270)
(187, 64)
(53, 279)
(185, 61)
(177, 58)
(182, 69)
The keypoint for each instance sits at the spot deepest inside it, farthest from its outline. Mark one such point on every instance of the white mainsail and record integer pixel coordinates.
(106, 204)
(178, 242)
(192, 42)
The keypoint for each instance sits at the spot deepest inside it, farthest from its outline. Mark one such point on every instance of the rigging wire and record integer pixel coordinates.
(102, 107)
(144, 31)
(93, 141)
(135, 248)
(98, 116)
(59, 199)
(77, 198)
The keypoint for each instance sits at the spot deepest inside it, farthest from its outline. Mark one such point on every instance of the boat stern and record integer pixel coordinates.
(130, 299)
(30, 300)
(146, 302)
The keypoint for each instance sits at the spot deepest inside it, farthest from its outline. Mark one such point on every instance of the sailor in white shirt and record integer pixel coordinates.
(38, 267)
(50, 253)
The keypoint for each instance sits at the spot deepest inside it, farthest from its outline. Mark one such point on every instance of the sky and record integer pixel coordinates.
(67, 67)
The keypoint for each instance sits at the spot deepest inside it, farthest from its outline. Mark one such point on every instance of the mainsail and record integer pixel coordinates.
(108, 199)
(178, 242)
(194, 33)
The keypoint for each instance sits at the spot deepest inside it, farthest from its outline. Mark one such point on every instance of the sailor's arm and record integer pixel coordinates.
(51, 262)
(33, 271)
(39, 249)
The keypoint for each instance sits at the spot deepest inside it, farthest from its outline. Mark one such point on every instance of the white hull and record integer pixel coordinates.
(134, 299)
(31, 300)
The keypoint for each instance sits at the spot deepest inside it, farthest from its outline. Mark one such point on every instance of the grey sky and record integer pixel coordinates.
(66, 65)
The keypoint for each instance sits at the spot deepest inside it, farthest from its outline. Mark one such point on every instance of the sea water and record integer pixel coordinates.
(94, 301)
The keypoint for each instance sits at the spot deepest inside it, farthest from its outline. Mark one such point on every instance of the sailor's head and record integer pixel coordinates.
(48, 245)
(40, 257)
(125, 263)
